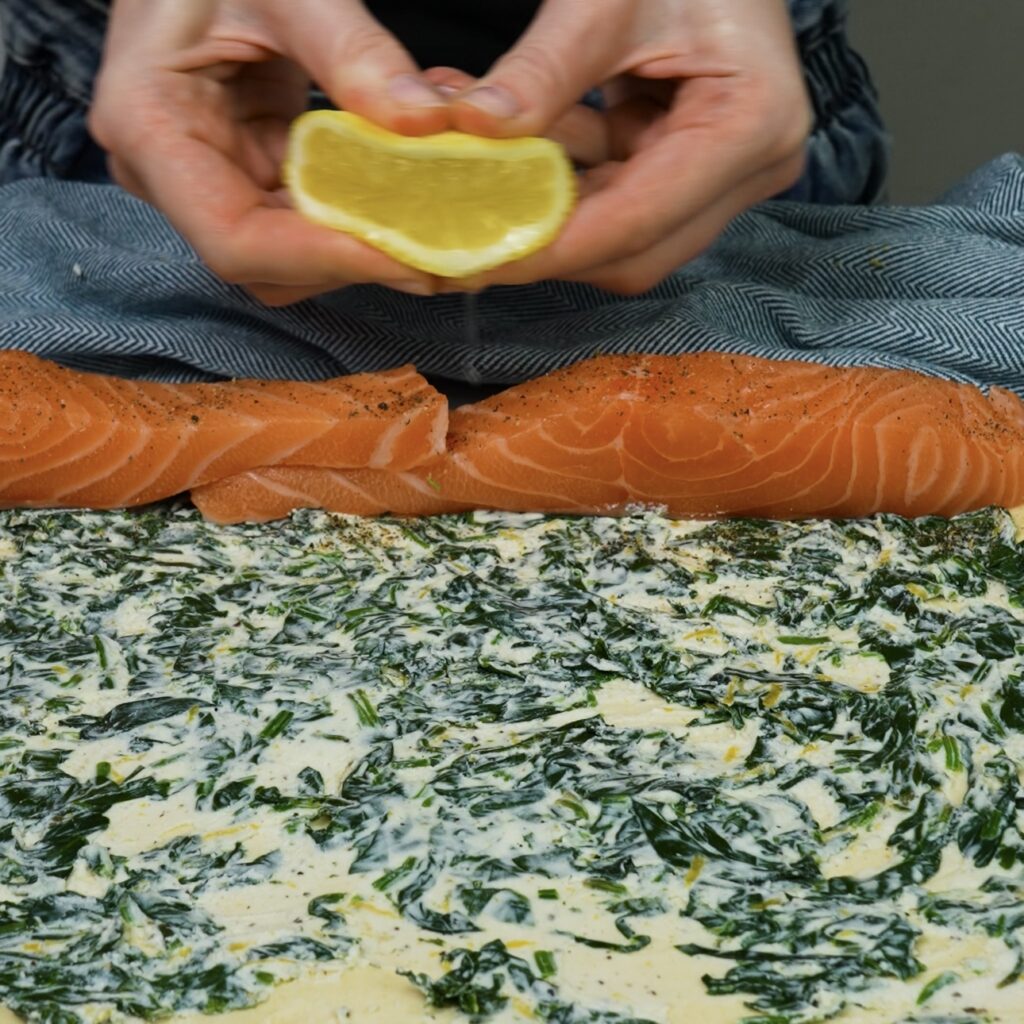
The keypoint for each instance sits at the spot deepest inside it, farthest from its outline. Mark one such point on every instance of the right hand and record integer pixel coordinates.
(193, 104)
(707, 113)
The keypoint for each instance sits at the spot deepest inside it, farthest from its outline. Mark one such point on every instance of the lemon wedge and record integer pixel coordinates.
(450, 204)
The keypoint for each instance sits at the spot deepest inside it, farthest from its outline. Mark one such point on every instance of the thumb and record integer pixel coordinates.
(569, 48)
(359, 64)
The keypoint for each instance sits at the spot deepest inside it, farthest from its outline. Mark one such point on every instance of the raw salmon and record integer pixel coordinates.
(85, 440)
(698, 435)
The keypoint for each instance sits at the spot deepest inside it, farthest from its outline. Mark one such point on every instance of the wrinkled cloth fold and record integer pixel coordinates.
(96, 279)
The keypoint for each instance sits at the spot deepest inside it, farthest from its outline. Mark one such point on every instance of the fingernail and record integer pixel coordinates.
(447, 90)
(410, 91)
(412, 287)
(494, 100)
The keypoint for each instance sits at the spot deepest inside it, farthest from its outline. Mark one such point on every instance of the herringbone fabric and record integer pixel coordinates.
(98, 280)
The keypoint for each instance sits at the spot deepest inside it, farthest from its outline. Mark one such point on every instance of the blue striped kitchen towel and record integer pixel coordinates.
(98, 280)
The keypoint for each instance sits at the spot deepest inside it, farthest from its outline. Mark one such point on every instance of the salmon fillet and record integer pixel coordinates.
(74, 439)
(701, 436)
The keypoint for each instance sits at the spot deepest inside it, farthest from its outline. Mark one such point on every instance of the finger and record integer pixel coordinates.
(123, 176)
(641, 273)
(288, 295)
(583, 133)
(242, 239)
(569, 48)
(638, 274)
(359, 64)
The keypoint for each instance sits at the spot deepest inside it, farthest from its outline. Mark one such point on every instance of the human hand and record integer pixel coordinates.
(193, 104)
(707, 115)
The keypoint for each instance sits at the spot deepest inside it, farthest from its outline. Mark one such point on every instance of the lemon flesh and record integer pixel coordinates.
(451, 204)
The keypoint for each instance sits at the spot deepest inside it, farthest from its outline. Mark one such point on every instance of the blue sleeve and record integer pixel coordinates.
(848, 151)
(51, 50)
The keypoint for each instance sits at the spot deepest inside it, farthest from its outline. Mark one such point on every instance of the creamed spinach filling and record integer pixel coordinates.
(474, 750)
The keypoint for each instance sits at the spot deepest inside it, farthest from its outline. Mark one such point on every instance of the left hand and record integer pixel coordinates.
(707, 115)
(193, 105)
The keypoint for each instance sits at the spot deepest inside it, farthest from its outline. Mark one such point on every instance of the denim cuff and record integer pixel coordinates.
(42, 129)
(848, 151)
(51, 53)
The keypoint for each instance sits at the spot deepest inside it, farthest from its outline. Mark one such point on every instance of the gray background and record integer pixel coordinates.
(951, 78)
